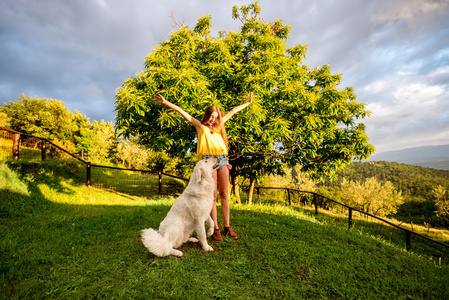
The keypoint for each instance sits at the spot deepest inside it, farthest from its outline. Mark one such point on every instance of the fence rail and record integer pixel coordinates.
(11, 141)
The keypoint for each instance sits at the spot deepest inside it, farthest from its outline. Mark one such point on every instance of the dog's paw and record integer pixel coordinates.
(207, 248)
(193, 240)
(210, 232)
(176, 252)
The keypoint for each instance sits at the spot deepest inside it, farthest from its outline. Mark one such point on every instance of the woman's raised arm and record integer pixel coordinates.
(238, 108)
(195, 123)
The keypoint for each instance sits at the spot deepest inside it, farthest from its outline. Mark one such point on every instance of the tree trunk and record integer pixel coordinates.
(252, 180)
(235, 186)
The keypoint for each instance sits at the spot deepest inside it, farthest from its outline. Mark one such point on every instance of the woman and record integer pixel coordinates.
(213, 141)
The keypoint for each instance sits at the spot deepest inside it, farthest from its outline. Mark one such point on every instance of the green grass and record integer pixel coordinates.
(60, 239)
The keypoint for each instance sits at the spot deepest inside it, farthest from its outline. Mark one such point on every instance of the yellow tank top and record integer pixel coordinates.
(210, 142)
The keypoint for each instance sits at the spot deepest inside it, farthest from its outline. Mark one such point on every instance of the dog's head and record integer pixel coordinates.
(203, 170)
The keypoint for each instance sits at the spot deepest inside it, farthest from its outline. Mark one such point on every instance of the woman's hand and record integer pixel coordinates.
(159, 99)
(238, 108)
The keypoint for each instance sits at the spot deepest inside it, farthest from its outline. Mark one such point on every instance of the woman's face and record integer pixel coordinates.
(212, 119)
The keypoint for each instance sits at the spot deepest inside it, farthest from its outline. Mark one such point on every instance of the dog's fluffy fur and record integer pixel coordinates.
(189, 213)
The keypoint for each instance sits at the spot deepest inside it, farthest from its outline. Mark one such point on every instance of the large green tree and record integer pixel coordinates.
(299, 115)
(372, 196)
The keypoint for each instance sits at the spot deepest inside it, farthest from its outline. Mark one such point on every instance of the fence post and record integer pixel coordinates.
(407, 241)
(44, 148)
(88, 174)
(289, 199)
(350, 218)
(315, 197)
(258, 195)
(15, 147)
(160, 181)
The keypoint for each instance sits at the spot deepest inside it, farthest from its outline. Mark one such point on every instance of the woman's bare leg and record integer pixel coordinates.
(213, 213)
(223, 184)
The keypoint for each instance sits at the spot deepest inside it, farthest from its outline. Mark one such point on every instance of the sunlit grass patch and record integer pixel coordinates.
(11, 181)
(75, 195)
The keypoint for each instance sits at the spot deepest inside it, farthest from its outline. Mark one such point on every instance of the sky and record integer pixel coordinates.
(394, 53)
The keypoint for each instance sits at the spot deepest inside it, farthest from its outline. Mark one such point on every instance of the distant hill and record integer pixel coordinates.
(436, 157)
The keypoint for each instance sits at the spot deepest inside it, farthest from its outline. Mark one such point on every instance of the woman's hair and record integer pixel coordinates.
(219, 125)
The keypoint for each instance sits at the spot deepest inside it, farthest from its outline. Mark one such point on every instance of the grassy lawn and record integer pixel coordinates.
(60, 239)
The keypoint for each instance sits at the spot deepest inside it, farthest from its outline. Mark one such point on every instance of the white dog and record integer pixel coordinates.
(189, 212)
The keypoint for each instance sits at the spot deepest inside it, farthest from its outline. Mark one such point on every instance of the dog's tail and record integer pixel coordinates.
(157, 244)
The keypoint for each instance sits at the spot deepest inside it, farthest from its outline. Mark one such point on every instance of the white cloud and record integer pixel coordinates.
(417, 94)
(376, 87)
(407, 101)
(440, 77)
(409, 10)
(414, 114)
(102, 3)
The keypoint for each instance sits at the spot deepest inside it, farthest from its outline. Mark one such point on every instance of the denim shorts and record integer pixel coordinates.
(222, 160)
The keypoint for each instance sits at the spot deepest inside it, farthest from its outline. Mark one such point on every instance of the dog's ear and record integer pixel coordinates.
(197, 175)
(202, 175)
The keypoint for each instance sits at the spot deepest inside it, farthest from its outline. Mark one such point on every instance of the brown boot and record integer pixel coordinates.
(229, 232)
(217, 235)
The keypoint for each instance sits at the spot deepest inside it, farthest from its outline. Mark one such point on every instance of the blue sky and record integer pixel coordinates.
(395, 53)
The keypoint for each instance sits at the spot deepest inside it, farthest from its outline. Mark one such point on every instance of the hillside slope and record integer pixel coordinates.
(72, 242)
(427, 156)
